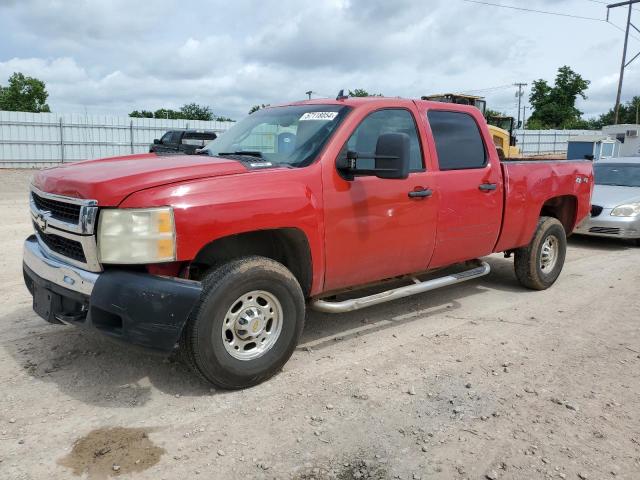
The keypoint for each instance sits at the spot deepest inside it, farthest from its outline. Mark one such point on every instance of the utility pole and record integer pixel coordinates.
(519, 95)
(524, 117)
(309, 94)
(624, 62)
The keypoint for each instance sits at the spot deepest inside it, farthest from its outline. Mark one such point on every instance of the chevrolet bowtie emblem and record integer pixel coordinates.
(41, 221)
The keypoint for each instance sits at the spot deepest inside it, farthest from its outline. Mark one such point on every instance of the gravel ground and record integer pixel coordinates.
(482, 380)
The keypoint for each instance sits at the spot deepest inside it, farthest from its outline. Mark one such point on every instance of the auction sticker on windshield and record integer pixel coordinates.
(319, 116)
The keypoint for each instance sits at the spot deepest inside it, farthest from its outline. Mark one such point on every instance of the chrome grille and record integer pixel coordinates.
(65, 228)
(61, 245)
(65, 212)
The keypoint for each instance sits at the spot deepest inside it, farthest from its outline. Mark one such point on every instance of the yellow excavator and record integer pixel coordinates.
(501, 127)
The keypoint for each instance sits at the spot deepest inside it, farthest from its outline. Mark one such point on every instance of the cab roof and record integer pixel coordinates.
(378, 101)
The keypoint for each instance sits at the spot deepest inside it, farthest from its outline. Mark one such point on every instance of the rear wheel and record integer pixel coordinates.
(247, 323)
(539, 264)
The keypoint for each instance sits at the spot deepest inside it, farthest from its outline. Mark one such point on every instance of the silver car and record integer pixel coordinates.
(615, 205)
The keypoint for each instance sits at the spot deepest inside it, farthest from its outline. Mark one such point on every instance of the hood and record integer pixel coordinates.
(610, 196)
(111, 180)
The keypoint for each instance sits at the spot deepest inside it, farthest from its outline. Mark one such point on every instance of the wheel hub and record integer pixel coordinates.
(252, 325)
(549, 253)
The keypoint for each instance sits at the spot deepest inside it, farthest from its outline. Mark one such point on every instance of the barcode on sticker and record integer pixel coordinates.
(327, 116)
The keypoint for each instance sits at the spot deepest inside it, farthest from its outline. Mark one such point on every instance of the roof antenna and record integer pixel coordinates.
(341, 95)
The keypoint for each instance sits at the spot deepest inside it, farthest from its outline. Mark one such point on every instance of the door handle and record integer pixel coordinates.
(421, 193)
(488, 187)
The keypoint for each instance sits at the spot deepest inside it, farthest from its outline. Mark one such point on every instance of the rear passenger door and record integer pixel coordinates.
(469, 180)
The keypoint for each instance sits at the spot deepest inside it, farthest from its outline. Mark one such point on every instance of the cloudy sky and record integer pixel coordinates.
(113, 56)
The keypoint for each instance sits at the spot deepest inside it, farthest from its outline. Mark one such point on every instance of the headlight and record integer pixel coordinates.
(627, 210)
(136, 235)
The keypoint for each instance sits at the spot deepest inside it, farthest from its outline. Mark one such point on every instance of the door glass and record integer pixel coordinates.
(175, 137)
(458, 140)
(365, 137)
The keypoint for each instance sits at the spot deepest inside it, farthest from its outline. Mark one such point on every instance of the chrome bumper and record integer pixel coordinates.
(56, 271)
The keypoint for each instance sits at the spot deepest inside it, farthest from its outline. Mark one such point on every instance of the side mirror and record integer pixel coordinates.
(392, 155)
(156, 141)
(391, 158)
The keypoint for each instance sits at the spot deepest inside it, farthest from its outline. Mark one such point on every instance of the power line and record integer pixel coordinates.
(489, 89)
(623, 30)
(532, 10)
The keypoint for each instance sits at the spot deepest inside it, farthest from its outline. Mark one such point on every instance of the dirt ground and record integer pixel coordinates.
(483, 380)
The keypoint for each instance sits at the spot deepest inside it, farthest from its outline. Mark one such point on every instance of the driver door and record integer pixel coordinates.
(373, 229)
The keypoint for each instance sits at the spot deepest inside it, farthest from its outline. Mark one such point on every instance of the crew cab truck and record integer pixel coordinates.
(220, 253)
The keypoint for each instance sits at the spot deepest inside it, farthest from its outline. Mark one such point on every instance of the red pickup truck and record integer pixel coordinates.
(220, 253)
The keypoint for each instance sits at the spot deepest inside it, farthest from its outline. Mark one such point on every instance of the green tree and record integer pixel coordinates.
(361, 92)
(141, 114)
(167, 113)
(493, 113)
(555, 106)
(193, 111)
(255, 108)
(189, 111)
(24, 94)
(629, 113)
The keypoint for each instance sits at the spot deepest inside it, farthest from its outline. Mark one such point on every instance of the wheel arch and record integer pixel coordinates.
(289, 246)
(564, 208)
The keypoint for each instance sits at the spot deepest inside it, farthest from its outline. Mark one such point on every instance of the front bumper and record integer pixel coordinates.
(137, 308)
(605, 225)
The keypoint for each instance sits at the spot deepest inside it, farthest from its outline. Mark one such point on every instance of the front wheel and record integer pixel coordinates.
(247, 323)
(539, 264)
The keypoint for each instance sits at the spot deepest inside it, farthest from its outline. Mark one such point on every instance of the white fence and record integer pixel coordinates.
(33, 140)
(540, 142)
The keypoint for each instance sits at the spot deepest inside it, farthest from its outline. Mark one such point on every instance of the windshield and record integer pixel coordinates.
(620, 174)
(288, 136)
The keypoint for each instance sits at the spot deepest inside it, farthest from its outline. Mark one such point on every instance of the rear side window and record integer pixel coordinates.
(458, 140)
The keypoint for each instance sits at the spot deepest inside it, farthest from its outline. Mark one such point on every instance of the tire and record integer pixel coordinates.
(213, 342)
(535, 269)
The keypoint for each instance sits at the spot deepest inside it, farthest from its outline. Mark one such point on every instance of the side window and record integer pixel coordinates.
(175, 138)
(365, 137)
(166, 138)
(458, 140)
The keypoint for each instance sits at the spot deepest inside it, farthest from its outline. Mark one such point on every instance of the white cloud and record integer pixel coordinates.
(116, 56)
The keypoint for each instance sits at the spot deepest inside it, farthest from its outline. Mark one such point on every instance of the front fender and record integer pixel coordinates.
(209, 209)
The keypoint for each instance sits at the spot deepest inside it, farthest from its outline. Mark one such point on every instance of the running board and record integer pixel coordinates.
(401, 292)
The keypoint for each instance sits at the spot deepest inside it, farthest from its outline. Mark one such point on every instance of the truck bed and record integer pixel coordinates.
(527, 186)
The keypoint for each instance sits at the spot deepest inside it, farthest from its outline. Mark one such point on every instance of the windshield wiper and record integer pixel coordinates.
(247, 153)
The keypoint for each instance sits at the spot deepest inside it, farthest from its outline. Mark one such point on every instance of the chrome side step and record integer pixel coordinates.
(401, 292)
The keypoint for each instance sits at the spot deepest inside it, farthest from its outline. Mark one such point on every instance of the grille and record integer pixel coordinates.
(62, 246)
(595, 210)
(605, 230)
(66, 212)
